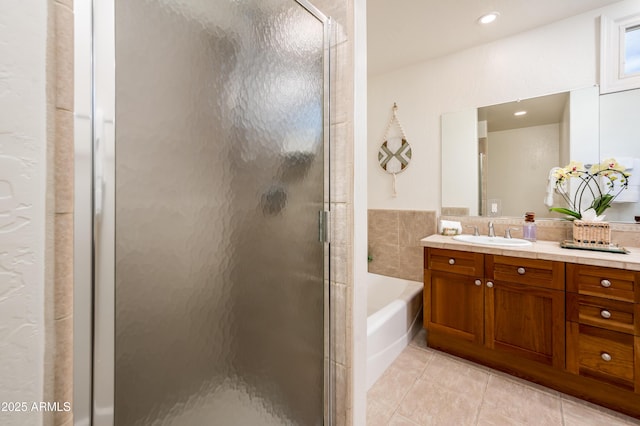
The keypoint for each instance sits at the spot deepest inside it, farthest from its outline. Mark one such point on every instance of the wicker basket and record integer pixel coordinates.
(591, 233)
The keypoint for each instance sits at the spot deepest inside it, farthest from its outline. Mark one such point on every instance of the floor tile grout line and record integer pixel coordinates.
(484, 393)
(417, 378)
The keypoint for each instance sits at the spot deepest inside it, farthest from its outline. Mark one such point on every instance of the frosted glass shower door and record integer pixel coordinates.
(220, 174)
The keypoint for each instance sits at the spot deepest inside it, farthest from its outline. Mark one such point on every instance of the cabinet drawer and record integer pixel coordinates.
(454, 261)
(605, 313)
(611, 283)
(533, 272)
(605, 355)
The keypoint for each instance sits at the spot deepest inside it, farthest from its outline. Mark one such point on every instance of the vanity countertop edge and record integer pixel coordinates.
(545, 250)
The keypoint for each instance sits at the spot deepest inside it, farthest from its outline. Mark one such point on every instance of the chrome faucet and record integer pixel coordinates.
(507, 232)
(492, 232)
(475, 229)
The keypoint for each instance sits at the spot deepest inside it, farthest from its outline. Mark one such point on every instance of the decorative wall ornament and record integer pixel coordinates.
(395, 153)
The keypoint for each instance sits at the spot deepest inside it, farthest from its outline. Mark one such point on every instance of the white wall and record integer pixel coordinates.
(460, 154)
(558, 57)
(525, 155)
(22, 205)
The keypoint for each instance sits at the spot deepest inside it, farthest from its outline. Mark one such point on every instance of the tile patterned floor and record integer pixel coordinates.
(427, 387)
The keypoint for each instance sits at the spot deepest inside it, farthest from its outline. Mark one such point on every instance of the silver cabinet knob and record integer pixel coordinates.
(452, 261)
(477, 282)
(605, 356)
(489, 284)
(605, 283)
(521, 271)
(605, 314)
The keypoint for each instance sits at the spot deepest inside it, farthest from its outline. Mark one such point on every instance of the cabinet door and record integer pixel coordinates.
(525, 321)
(453, 304)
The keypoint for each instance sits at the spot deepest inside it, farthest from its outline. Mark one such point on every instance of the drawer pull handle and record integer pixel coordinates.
(605, 314)
(605, 283)
(452, 261)
(521, 271)
(489, 284)
(477, 282)
(605, 356)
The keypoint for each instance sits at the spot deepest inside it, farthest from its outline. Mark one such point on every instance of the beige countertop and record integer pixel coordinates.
(547, 250)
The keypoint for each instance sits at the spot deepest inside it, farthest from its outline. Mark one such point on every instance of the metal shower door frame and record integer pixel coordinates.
(94, 206)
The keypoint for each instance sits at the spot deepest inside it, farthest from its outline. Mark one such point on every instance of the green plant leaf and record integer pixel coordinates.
(602, 203)
(573, 215)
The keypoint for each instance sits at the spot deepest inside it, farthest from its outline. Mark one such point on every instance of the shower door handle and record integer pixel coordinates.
(324, 219)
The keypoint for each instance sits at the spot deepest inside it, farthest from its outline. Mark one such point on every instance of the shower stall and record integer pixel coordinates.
(204, 260)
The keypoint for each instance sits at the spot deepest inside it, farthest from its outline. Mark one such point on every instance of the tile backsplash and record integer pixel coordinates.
(394, 237)
(394, 241)
(623, 234)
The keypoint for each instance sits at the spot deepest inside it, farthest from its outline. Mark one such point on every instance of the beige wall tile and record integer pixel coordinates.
(625, 238)
(385, 259)
(341, 163)
(63, 275)
(63, 387)
(64, 57)
(63, 162)
(454, 211)
(411, 263)
(415, 225)
(383, 227)
(338, 319)
(343, 83)
(68, 3)
(547, 233)
(403, 228)
(341, 224)
(339, 270)
(342, 395)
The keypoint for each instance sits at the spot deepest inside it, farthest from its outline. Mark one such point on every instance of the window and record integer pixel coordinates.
(620, 54)
(632, 50)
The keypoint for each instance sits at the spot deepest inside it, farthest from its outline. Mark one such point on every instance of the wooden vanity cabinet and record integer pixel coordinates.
(603, 325)
(571, 327)
(524, 308)
(455, 295)
(510, 305)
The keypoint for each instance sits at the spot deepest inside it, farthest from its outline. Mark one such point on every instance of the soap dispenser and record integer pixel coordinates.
(529, 227)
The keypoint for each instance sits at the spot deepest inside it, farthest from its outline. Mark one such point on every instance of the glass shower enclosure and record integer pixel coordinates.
(211, 198)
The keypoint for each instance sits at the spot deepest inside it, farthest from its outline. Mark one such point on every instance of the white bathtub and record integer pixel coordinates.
(393, 309)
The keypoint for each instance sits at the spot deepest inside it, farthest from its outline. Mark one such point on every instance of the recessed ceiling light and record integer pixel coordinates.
(488, 18)
(519, 113)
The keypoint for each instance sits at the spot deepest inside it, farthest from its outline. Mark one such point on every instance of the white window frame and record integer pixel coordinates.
(612, 51)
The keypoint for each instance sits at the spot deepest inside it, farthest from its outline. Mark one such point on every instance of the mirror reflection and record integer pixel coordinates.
(522, 142)
(508, 151)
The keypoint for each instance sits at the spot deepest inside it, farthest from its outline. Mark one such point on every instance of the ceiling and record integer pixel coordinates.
(542, 110)
(404, 32)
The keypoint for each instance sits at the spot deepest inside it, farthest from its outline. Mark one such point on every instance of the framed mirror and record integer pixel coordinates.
(506, 159)
(505, 152)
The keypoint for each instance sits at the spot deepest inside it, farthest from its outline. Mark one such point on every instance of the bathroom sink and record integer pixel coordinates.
(492, 241)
